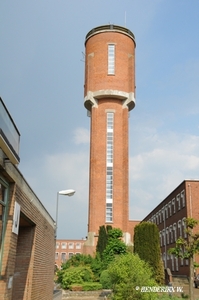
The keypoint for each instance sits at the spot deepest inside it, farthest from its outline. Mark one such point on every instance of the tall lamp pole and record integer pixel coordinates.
(64, 193)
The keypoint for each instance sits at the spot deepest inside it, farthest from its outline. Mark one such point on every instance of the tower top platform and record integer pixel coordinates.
(110, 27)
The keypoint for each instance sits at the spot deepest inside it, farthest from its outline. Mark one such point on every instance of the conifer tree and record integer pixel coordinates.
(102, 239)
(147, 246)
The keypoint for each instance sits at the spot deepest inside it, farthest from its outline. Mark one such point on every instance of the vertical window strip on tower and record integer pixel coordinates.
(111, 59)
(109, 167)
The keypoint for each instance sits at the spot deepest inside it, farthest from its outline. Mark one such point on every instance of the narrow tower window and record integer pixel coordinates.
(109, 167)
(111, 59)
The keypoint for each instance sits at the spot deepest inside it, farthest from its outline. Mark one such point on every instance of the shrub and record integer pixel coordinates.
(115, 246)
(96, 267)
(105, 280)
(127, 274)
(75, 275)
(91, 286)
(77, 260)
(75, 287)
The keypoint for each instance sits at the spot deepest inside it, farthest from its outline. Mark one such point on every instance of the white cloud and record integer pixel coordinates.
(157, 170)
(81, 136)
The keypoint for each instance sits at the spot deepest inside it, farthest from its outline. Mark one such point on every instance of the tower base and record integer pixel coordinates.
(91, 242)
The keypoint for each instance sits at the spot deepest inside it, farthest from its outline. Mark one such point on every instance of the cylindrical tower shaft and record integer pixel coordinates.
(109, 96)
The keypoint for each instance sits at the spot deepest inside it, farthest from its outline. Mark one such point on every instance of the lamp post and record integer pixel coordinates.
(64, 193)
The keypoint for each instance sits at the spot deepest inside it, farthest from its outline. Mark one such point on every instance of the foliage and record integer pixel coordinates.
(147, 246)
(115, 246)
(76, 287)
(77, 260)
(75, 275)
(102, 239)
(127, 273)
(96, 266)
(91, 286)
(186, 248)
(105, 280)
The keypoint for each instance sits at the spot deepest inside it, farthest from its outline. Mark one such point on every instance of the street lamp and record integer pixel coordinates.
(64, 193)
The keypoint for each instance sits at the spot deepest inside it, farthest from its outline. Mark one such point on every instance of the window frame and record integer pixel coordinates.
(111, 59)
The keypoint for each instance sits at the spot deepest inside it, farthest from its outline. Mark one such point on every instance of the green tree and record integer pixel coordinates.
(128, 274)
(76, 275)
(77, 260)
(81, 260)
(187, 248)
(115, 246)
(147, 246)
(102, 239)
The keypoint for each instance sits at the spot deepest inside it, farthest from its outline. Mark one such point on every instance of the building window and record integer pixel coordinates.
(180, 228)
(160, 216)
(170, 209)
(160, 238)
(171, 233)
(111, 59)
(78, 245)
(109, 212)
(174, 205)
(174, 229)
(176, 260)
(109, 166)
(70, 254)
(56, 255)
(63, 245)
(184, 227)
(167, 235)
(183, 198)
(63, 256)
(3, 208)
(172, 262)
(57, 245)
(70, 245)
(178, 201)
(166, 211)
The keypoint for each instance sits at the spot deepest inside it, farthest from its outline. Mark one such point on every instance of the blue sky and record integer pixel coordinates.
(41, 83)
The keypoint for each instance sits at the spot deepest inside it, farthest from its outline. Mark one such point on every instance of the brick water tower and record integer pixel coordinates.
(109, 93)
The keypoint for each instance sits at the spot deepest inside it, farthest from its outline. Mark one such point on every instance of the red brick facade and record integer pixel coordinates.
(109, 93)
(27, 260)
(66, 249)
(170, 217)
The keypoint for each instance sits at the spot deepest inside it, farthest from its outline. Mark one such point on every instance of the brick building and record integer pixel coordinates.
(109, 92)
(27, 243)
(170, 217)
(65, 249)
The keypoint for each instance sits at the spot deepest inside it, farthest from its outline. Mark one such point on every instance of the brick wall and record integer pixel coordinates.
(98, 80)
(177, 206)
(66, 248)
(96, 77)
(28, 257)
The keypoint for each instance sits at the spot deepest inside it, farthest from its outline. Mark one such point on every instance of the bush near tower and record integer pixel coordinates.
(102, 239)
(147, 246)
